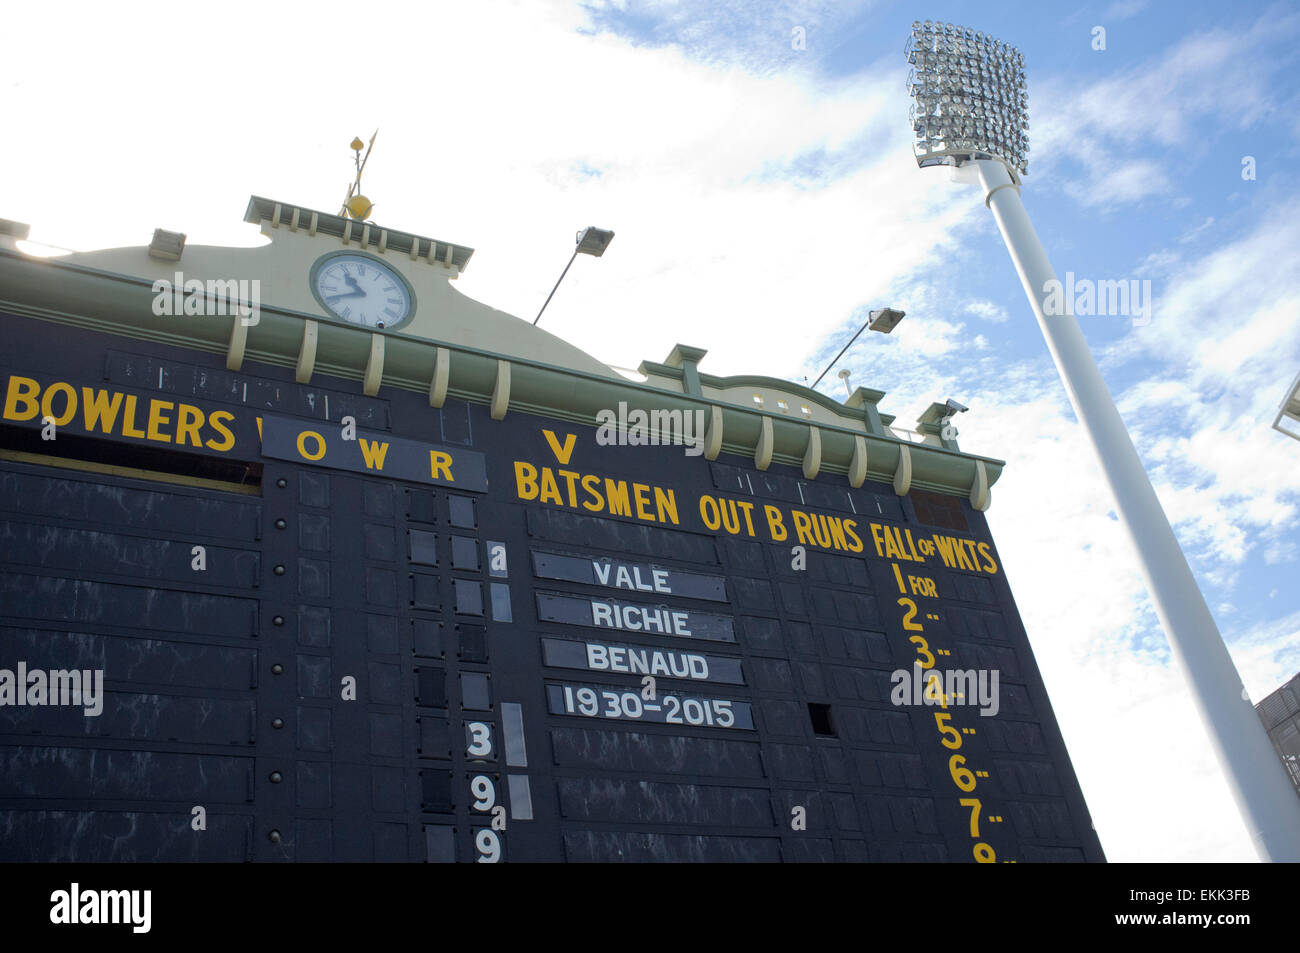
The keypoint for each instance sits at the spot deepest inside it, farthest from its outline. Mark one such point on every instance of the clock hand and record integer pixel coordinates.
(350, 294)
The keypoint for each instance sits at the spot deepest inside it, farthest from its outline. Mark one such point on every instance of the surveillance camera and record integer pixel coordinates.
(955, 407)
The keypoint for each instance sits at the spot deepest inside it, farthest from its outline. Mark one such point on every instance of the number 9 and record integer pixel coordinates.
(485, 794)
(489, 846)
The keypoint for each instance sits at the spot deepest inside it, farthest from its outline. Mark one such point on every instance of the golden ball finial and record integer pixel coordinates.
(359, 207)
(357, 144)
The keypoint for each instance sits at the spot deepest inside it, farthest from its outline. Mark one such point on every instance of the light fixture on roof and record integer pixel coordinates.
(970, 111)
(884, 321)
(593, 241)
(590, 241)
(167, 246)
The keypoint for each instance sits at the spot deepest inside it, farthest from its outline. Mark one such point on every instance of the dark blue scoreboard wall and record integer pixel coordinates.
(372, 669)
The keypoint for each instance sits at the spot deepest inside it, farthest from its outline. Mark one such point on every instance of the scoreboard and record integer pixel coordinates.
(339, 627)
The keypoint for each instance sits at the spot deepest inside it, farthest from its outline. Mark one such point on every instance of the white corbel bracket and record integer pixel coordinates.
(501, 391)
(903, 472)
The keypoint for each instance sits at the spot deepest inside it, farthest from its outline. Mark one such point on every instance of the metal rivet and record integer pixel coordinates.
(282, 483)
(280, 524)
(277, 668)
(279, 569)
(277, 722)
(278, 620)
(276, 777)
(274, 836)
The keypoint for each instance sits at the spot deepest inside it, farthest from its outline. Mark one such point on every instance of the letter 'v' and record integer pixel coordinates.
(561, 453)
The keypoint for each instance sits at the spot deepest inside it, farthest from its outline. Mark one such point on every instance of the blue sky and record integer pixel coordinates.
(764, 199)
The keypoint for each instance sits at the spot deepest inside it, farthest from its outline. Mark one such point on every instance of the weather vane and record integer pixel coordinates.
(357, 205)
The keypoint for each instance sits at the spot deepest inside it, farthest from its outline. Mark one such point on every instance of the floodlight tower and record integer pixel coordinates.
(969, 112)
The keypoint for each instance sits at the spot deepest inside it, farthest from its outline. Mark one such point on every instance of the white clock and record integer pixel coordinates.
(362, 290)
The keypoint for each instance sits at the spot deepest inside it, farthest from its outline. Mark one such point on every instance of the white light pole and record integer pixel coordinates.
(969, 111)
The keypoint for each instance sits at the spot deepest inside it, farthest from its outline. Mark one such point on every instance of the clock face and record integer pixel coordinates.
(362, 290)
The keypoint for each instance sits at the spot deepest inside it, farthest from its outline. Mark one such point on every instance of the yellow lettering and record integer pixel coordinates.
(218, 423)
(803, 527)
(101, 405)
(525, 480)
(990, 564)
(944, 545)
(877, 537)
(748, 509)
(571, 484)
(641, 493)
(188, 421)
(561, 453)
(302, 444)
(591, 483)
(855, 544)
(775, 523)
(891, 547)
(550, 489)
(666, 505)
(69, 403)
(156, 420)
(22, 390)
(709, 512)
(836, 526)
(616, 493)
(374, 454)
(959, 550)
(129, 429)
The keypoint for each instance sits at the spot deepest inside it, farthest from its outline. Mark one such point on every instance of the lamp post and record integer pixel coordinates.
(591, 241)
(884, 321)
(969, 111)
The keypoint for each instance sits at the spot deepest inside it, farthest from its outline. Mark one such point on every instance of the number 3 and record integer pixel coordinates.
(481, 739)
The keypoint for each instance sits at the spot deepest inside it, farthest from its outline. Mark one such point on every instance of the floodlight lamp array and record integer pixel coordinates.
(968, 97)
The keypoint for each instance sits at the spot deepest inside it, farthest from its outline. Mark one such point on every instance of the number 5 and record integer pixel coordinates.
(948, 731)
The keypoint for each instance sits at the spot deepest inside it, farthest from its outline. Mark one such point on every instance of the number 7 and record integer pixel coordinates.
(974, 804)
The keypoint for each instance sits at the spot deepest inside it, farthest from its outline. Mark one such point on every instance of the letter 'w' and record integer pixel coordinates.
(373, 453)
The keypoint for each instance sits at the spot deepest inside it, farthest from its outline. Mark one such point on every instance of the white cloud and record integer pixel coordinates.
(1123, 9)
(1099, 137)
(988, 311)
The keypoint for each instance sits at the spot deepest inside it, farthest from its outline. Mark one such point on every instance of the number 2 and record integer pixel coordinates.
(908, 624)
